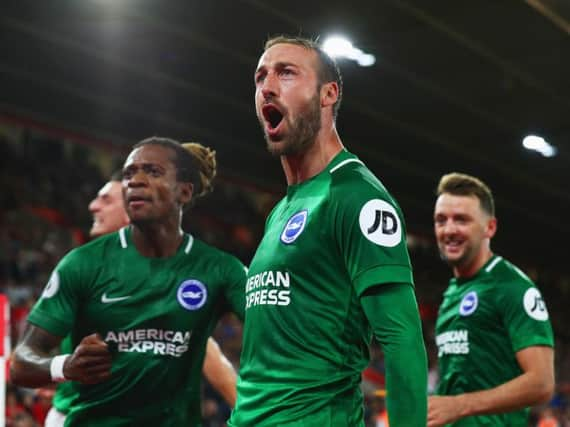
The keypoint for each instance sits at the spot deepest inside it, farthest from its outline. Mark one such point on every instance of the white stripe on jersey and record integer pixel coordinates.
(344, 162)
(189, 245)
(493, 264)
(123, 238)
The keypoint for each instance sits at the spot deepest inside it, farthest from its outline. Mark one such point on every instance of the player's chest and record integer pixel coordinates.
(472, 309)
(127, 295)
(297, 232)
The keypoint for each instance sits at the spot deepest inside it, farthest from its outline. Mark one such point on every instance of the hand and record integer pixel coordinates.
(90, 363)
(443, 410)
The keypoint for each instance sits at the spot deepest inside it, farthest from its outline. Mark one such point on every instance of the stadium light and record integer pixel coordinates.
(341, 47)
(539, 144)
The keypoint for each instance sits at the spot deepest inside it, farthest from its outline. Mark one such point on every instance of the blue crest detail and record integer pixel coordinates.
(192, 294)
(294, 227)
(469, 304)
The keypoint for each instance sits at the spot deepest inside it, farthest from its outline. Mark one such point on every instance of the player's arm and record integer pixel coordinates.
(393, 314)
(33, 364)
(219, 372)
(534, 386)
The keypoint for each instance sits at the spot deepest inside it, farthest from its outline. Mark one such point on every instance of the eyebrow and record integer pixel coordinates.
(280, 64)
(142, 165)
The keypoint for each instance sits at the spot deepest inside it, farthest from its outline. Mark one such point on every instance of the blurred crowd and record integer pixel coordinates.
(46, 187)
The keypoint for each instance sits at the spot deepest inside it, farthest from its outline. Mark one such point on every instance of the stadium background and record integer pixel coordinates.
(454, 87)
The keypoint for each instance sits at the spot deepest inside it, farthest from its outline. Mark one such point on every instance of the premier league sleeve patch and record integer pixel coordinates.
(469, 304)
(294, 227)
(192, 294)
(53, 285)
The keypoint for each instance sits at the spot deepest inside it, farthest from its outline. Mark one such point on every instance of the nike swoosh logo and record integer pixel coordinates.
(105, 299)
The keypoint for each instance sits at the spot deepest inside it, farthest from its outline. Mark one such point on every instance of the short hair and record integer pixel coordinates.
(327, 71)
(460, 184)
(194, 162)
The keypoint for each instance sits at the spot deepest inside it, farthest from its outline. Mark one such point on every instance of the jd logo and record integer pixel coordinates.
(538, 305)
(379, 223)
(534, 304)
(388, 220)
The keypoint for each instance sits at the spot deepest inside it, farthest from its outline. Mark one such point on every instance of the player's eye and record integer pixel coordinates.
(287, 72)
(259, 78)
(461, 220)
(128, 173)
(153, 170)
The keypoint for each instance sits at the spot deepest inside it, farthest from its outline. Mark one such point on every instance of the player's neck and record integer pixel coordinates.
(471, 269)
(157, 240)
(301, 167)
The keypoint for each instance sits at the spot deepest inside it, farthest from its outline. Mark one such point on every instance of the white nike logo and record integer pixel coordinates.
(105, 299)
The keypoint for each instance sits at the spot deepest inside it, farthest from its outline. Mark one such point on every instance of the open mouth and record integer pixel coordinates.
(453, 245)
(272, 116)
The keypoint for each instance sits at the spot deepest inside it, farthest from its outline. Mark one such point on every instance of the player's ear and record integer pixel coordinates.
(186, 192)
(329, 94)
(491, 228)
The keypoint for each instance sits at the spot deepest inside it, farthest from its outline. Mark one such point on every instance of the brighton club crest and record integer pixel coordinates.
(294, 227)
(192, 294)
(469, 304)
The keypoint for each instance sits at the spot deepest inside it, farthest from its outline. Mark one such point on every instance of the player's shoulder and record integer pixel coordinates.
(214, 255)
(348, 169)
(95, 250)
(516, 292)
(507, 278)
(504, 271)
(353, 185)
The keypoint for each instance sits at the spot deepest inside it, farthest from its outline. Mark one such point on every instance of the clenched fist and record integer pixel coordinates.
(90, 363)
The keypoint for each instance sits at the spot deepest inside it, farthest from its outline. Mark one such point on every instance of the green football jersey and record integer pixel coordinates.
(156, 315)
(305, 339)
(482, 322)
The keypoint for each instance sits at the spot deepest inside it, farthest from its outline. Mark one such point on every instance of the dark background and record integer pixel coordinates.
(456, 87)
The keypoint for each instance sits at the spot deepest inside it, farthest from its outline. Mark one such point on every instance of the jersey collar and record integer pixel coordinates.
(483, 271)
(341, 159)
(186, 245)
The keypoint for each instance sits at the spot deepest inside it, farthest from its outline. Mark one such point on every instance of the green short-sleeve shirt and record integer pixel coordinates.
(156, 315)
(482, 323)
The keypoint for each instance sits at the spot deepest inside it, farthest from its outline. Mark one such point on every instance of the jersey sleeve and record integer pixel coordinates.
(393, 315)
(235, 278)
(371, 235)
(57, 306)
(525, 315)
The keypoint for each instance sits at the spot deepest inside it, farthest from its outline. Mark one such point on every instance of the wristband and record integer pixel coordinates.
(56, 368)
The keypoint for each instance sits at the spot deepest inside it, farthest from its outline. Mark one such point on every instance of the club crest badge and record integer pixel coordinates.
(192, 294)
(469, 304)
(294, 227)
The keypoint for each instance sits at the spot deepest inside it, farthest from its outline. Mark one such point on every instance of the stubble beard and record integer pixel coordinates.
(464, 259)
(302, 133)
